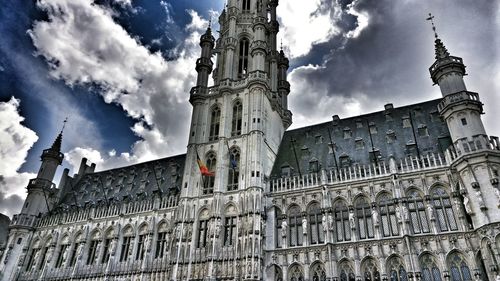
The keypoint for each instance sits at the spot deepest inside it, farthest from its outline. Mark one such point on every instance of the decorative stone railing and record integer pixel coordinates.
(458, 97)
(466, 147)
(447, 60)
(41, 183)
(358, 172)
(23, 220)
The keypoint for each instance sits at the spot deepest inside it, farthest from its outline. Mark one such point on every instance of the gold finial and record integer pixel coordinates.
(431, 18)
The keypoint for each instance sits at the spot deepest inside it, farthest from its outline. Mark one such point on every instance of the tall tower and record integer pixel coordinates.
(42, 195)
(474, 156)
(236, 129)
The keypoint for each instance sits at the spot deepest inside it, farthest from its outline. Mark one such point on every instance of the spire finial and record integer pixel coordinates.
(431, 19)
(64, 124)
(210, 22)
(281, 44)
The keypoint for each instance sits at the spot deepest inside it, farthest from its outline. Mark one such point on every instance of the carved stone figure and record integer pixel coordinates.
(404, 213)
(284, 226)
(430, 210)
(80, 251)
(375, 216)
(352, 221)
(467, 205)
(147, 243)
(304, 225)
(324, 222)
(330, 222)
(218, 225)
(398, 213)
(112, 248)
(479, 198)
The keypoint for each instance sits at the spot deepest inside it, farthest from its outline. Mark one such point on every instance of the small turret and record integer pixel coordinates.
(204, 64)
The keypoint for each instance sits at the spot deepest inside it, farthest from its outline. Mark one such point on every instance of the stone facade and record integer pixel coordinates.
(406, 193)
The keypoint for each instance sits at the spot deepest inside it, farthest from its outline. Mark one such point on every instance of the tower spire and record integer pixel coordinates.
(56, 146)
(441, 51)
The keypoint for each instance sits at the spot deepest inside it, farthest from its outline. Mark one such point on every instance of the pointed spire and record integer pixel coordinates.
(56, 146)
(441, 51)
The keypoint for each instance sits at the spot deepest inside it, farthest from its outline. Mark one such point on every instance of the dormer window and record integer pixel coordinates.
(391, 136)
(313, 166)
(347, 133)
(360, 144)
(318, 139)
(406, 122)
(373, 128)
(422, 131)
(359, 124)
(286, 171)
(344, 160)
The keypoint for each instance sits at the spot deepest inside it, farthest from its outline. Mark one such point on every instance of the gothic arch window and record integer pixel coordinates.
(317, 272)
(396, 269)
(343, 230)
(278, 230)
(295, 226)
(161, 241)
(126, 247)
(237, 117)
(74, 252)
(230, 219)
(364, 218)
(418, 217)
(243, 57)
(233, 171)
(141, 242)
(43, 256)
(94, 246)
(108, 238)
(62, 250)
(31, 258)
(316, 234)
(459, 270)
(203, 229)
(209, 181)
(443, 209)
(388, 215)
(214, 124)
(370, 270)
(295, 273)
(429, 268)
(245, 5)
(346, 271)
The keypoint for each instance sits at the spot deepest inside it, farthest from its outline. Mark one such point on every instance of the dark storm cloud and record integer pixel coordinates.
(389, 60)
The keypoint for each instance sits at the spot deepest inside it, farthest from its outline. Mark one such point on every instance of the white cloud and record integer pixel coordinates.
(84, 45)
(305, 23)
(362, 20)
(15, 141)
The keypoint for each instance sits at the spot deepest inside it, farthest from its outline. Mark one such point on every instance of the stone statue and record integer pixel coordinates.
(330, 222)
(467, 205)
(430, 210)
(398, 213)
(284, 226)
(80, 251)
(304, 225)
(35, 259)
(375, 216)
(218, 225)
(112, 248)
(479, 198)
(50, 251)
(497, 193)
(404, 212)
(498, 278)
(147, 243)
(259, 6)
(352, 222)
(324, 223)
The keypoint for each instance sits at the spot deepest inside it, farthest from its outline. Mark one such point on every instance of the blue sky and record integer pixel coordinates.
(121, 70)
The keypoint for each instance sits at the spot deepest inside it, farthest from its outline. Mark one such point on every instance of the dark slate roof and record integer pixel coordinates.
(313, 143)
(162, 177)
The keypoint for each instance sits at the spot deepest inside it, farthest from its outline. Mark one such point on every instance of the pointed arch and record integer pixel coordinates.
(429, 267)
(458, 266)
(370, 269)
(396, 269)
(363, 217)
(443, 209)
(244, 51)
(278, 229)
(346, 270)
(234, 166)
(295, 272)
(419, 221)
(237, 117)
(230, 221)
(209, 181)
(274, 272)
(387, 211)
(294, 215)
(128, 235)
(317, 271)
(314, 213)
(215, 113)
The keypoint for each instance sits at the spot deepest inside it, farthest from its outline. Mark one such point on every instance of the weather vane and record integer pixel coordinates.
(431, 18)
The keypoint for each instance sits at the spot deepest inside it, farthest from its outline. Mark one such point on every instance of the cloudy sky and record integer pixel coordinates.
(121, 70)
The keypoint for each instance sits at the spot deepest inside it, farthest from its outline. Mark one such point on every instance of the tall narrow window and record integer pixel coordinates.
(316, 234)
(92, 254)
(430, 270)
(279, 231)
(237, 117)
(202, 234)
(209, 181)
(73, 255)
(43, 257)
(230, 231)
(106, 249)
(418, 218)
(458, 268)
(370, 270)
(443, 209)
(243, 60)
(295, 226)
(245, 5)
(388, 216)
(343, 229)
(126, 248)
(363, 214)
(31, 260)
(60, 257)
(214, 124)
(141, 247)
(161, 244)
(234, 166)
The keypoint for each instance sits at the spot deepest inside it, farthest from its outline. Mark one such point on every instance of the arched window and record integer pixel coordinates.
(234, 166)
(318, 272)
(364, 218)
(429, 268)
(443, 209)
(316, 234)
(388, 215)
(343, 229)
(107, 246)
(161, 241)
(243, 58)
(237, 117)
(141, 242)
(396, 269)
(245, 5)
(230, 219)
(295, 226)
(295, 273)
(346, 272)
(370, 270)
(76, 246)
(34, 254)
(459, 270)
(214, 124)
(62, 252)
(209, 182)
(43, 256)
(278, 233)
(127, 240)
(93, 248)
(418, 218)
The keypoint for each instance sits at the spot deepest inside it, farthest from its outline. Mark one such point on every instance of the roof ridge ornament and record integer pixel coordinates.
(431, 19)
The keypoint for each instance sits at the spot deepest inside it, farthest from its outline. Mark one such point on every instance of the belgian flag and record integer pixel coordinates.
(203, 168)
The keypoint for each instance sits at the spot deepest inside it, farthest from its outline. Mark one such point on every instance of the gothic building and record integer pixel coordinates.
(408, 193)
